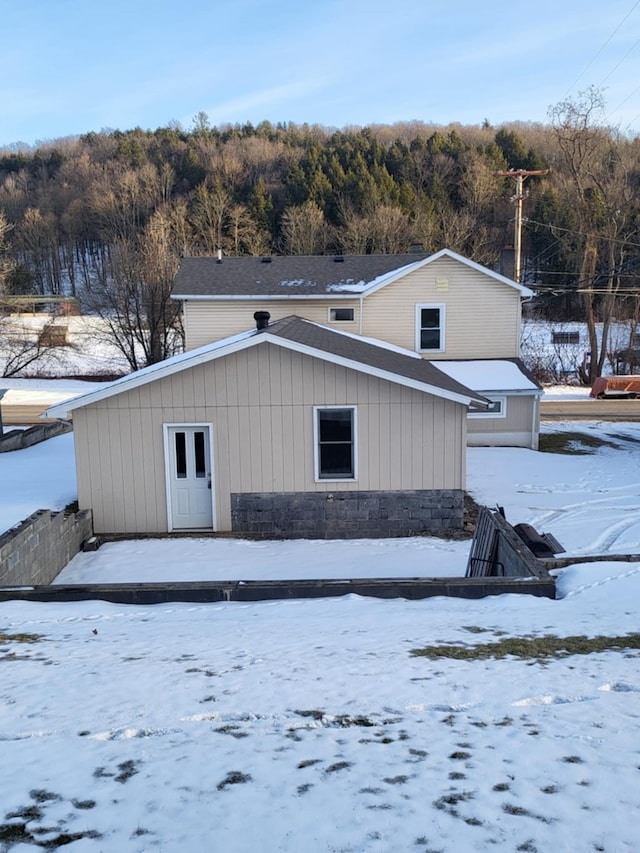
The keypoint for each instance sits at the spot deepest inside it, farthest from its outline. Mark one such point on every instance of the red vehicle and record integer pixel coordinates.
(616, 386)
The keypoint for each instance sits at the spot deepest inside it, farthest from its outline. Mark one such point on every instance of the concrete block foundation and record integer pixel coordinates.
(346, 515)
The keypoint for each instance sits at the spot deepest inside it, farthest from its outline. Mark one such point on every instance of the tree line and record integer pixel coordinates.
(106, 216)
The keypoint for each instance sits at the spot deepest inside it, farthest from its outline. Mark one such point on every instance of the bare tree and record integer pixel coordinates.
(390, 230)
(210, 216)
(37, 244)
(353, 235)
(304, 230)
(6, 263)
(600, 193)
(133, 293)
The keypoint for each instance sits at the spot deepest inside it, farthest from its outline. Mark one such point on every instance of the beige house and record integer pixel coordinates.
(288, 429)
(444, 307)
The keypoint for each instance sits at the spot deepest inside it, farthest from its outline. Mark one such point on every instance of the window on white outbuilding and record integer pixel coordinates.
(430, 327)
(497, 409)
(335, 443)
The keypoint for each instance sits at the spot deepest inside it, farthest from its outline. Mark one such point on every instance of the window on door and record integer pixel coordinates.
(335, 443)
(181, 455)
(430, 327)
(199, 454)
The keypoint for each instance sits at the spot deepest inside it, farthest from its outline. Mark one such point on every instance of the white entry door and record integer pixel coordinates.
(189, 477)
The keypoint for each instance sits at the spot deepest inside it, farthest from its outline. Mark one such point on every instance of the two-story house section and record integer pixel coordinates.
(443, 306)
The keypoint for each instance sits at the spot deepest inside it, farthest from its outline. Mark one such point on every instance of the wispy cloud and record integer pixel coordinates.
(265, 99)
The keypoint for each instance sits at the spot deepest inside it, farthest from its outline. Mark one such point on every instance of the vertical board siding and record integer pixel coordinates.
(260, 404)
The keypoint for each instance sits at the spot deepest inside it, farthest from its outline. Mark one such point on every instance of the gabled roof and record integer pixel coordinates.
(374, 358)
(306, 276)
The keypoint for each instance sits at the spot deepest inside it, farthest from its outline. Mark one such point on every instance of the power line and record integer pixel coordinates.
(581, 233)
(615, 68)
(584, 71)
(592, 283)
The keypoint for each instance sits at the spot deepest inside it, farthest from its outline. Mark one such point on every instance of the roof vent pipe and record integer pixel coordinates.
(262, 319)
(219, 256)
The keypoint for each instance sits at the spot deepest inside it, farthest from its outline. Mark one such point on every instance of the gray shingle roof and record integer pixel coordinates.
(288, 275)
(361, 350)
(401, 366)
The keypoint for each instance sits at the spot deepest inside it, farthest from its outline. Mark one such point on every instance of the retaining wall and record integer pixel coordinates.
(18, 439)
(346, 515)
(412, 589)
(37, 550)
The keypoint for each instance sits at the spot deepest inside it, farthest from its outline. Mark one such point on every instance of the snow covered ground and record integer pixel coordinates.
(39, 477)
(590, 503)
(90, 350)
(312, 725)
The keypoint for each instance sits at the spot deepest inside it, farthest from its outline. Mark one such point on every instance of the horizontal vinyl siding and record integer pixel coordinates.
(205, 322)
(260, 403)
(482, 315)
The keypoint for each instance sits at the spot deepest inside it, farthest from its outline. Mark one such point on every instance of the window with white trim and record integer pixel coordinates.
(341, 315)
(430, 327)
(335, 443)
(497, 409)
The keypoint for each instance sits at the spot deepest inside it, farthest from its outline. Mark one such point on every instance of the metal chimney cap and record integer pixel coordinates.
(262, 319)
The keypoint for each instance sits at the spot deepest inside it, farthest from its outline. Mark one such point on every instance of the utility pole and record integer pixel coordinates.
(519, 175)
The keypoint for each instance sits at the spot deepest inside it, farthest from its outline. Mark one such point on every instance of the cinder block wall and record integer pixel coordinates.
(346, 515)
(18, 439)
(37, 550)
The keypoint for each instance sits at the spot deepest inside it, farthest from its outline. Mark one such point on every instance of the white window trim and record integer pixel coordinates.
(330, 319)
(495, 398)
(316, 446)
(442, 308)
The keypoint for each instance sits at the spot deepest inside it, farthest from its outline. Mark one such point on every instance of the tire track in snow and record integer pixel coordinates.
(601, 582)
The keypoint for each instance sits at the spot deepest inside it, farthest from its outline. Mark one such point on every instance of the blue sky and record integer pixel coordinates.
(72, 66)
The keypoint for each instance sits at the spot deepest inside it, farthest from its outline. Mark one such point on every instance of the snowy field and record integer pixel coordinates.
(90, 350)
(312, 725)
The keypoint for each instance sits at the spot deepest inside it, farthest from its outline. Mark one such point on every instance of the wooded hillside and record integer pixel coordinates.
(104, 214)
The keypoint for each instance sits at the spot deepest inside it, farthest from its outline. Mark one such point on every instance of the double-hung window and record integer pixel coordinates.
(335, 443)
(430, 327)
